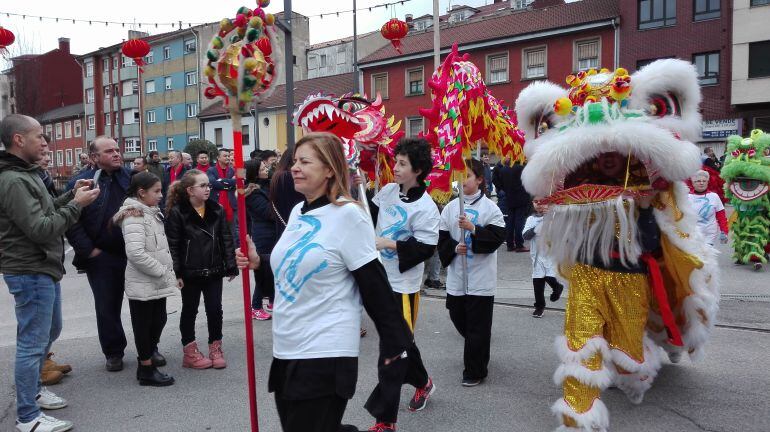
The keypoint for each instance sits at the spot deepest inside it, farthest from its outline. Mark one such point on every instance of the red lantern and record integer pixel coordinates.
(137, 49)
(6, 38)
(264, 45)
(395, 30)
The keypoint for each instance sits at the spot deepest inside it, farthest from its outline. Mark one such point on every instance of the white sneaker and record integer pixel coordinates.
(44, 423)
(48, 400)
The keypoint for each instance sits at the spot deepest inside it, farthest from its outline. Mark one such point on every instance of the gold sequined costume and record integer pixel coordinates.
(619, 324)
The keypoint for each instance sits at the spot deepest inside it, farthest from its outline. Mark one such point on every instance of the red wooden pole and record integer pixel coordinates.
(239, 175)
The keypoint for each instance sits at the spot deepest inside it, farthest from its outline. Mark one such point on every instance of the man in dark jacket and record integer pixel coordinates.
(518, 202)
(31, 228)
(99, 247)
(222, 179)
(153, 164)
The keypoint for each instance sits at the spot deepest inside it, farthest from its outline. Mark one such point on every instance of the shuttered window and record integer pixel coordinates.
(534, 63)
(380, 84)
(497, 65)
(587, 55)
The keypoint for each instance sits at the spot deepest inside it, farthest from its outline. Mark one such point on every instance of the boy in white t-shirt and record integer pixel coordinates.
(406, 225)
(709, 208)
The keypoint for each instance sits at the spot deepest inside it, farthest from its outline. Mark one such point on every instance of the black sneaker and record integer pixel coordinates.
(114, 364)
(538, 313)
(421, 396)
(471, 382)
(556, 293)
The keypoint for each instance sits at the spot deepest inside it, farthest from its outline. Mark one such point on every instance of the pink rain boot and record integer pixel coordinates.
(216, 355)
(193, 358)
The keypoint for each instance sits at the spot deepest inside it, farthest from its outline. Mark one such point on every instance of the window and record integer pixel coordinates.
(150, 58)
(117, 118)
(151, 116)
(414, 125)
(190, 78)
(497, 67)
(521, 4)
(166, 52)
(414, 81)
(167, 81)
(192, 110)
(189, 46)
(133, 145)
(48, 130)
(708, 68)
(192, 138)
(68, 129)
(706, 9)
(69, 157)
(59, 157)
(78, 151)
(244, 135)
(218, 137)
(169, 114)
(323, 60)
(759, 59)
(129, 87)
(130, 116)
(152, 145)
(312, 62)
(759, 3)
(106, 92)
(656, 13)
(170, 143)
(89, 69)
(534, 63)
(91, 122)
(149, 86)
(126, 62)
(380, 84)
(106, 64)
(90, 95)
(586, 55)
(420, 25)
(341, 54)
(58, 131)
(107, 119)
(77, 126)
(116, 90)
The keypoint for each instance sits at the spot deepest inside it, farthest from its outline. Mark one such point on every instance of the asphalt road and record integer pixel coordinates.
(727, 391)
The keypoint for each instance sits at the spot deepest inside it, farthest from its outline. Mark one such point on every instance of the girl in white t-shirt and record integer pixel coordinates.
(477, 234)
(325, 266)
(709, 208)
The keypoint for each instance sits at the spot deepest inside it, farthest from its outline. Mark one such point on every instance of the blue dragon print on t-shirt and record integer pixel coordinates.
(473, 216)
(704, 208)
(397, 231)
(288, 282)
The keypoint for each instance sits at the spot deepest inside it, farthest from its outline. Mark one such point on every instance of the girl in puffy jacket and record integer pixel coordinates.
(202, 248)
(149, 273)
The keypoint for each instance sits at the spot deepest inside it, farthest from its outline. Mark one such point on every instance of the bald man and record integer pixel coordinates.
(31, 227)
(99, 247)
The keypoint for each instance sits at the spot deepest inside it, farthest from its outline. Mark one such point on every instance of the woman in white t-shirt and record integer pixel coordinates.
(320, 264)
(477, 234)
(709, 208)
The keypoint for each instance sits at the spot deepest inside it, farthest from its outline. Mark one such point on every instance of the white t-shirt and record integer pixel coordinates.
(482, 268)
(706, 207)
(317, 311)
(542, 265)
(398, 220)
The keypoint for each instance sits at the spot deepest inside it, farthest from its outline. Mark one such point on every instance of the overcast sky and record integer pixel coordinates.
(33, 35)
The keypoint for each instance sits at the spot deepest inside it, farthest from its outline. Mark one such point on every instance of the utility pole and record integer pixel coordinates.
(286, 26)
(356, 87)
(436, 37)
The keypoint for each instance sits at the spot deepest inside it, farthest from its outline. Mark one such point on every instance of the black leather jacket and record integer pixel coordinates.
(200, 247)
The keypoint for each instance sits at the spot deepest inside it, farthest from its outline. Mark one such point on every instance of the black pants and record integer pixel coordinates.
(264, 284)
(147, 319)
(539, 284)
(211, 288)
(514, 225)
(472, 317)
(322, 414)
(106, 276)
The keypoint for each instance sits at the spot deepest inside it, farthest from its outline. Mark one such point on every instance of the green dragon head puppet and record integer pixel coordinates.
(747, 180)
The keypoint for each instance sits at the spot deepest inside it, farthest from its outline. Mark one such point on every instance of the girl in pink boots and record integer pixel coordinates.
(202, 248)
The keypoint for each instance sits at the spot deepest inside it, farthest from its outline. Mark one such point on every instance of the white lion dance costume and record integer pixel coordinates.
(595, 152)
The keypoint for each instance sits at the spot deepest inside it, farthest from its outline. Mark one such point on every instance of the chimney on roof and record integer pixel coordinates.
(542, 4)
(64, 45)
(408, 18)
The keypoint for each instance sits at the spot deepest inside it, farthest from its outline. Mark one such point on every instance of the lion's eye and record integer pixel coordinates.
(663, 105)
(544, 123)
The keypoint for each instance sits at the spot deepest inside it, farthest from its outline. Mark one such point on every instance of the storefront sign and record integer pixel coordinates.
(715, 129)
